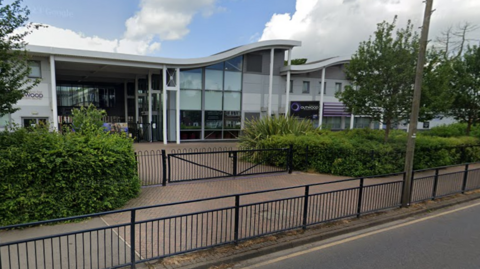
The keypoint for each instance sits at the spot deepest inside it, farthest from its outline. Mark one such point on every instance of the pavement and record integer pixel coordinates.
(110, 244)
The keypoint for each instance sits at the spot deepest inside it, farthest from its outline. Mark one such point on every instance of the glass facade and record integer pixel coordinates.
(83, 95)
(210, 101)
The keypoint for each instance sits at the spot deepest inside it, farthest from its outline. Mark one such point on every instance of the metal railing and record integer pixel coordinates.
(187, 166)
(157, 167)
(151, 232)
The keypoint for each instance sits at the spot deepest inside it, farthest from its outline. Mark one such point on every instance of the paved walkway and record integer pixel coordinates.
(168, 234)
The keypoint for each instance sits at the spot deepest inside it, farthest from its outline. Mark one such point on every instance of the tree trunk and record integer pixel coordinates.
(469, 126)
(388, 126)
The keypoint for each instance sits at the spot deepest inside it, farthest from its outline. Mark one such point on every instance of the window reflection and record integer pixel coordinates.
(234, 64)
(214, 80)
(233, 81)
(191, 79)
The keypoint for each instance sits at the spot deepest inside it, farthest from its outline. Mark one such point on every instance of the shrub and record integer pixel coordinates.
(258, 130)
(363, 153)
(46, 175)
(452, 130)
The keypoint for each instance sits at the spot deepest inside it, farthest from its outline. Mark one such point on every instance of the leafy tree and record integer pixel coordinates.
(14, 68)
(436, 97)
(88, 119)
(466, 87)
(382, 73)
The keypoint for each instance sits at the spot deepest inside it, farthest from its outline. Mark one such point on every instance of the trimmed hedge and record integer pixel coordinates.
(361, 152)
(47, 175)
(453, 130)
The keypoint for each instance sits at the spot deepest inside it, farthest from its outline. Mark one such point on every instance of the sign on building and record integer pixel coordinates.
(305, 109)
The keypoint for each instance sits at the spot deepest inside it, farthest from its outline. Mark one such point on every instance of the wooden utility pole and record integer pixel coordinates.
(412, 129)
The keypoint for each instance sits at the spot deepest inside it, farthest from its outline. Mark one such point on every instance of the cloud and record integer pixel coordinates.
(156, 19)
(167, 19)
(336, 27)
(65, 38)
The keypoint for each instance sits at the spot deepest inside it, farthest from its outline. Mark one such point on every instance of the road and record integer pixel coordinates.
(442, 239)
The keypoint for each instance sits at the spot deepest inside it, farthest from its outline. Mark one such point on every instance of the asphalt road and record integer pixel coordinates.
(443, 239)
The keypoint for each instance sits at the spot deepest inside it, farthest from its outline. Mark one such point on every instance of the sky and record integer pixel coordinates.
(199, 28)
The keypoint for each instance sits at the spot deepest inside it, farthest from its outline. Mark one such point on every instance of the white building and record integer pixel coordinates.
(174, 100)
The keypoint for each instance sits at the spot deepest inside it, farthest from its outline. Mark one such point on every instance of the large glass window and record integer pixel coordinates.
(232, 101)
(233, 81)
(190, 124)
(191, 79)
(234, 64)
(213, 124)
(213, 80)
(213, 120)
(213, 100)
(333, 122)
(84, 95)
(190, 100)
(360, 122)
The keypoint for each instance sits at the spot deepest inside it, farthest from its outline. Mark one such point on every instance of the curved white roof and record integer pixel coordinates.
(315, 66)
(64, 53)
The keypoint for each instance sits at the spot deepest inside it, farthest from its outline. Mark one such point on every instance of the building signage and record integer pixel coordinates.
(35, 95)
(305, 109)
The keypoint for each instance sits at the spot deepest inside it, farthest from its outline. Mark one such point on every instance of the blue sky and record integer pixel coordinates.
(198, 28)
(234, 24)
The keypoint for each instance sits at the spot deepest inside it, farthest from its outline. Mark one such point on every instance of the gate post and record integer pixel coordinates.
(290, 159)
(164, 168)
(465, 177)
(132, 239)
(235, 161)
(435, 184)
(237, 218)
(360, 194)
(305, 207)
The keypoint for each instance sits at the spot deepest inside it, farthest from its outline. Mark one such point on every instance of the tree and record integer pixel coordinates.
(466, 87)
(453, 41)
(14, 67)
(382, 74)
(436, 97)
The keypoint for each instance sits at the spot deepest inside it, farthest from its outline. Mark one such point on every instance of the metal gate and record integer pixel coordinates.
(187, 166)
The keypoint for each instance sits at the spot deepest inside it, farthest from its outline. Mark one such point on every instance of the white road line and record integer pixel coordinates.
(358, 237)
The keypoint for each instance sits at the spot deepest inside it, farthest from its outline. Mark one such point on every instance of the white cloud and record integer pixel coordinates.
(65, 38)
(336, 27)
(165, 19)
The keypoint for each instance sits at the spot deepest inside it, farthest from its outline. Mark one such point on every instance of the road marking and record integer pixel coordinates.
(353, 238)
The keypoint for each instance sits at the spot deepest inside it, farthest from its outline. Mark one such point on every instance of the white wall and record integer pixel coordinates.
(37, 107)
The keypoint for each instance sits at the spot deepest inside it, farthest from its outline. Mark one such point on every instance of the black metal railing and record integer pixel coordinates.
(180, 227)
(430, 184)
(151, 167)
(195, 165)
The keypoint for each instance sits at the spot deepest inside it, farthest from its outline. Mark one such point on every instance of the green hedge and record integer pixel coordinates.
(46, 175)
(453, 130)
(363, 153)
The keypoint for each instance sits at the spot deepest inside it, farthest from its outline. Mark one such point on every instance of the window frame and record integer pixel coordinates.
(39, 68)
(338, 89)
(308, 87)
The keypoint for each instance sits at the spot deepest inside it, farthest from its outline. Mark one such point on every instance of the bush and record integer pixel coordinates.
(258, 130)
(46, 175)
(452, 130)
(363, 153)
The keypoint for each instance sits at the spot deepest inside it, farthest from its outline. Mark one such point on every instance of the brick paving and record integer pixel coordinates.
(159, 237)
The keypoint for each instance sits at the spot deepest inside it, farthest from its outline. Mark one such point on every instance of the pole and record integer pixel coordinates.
(412, 129)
